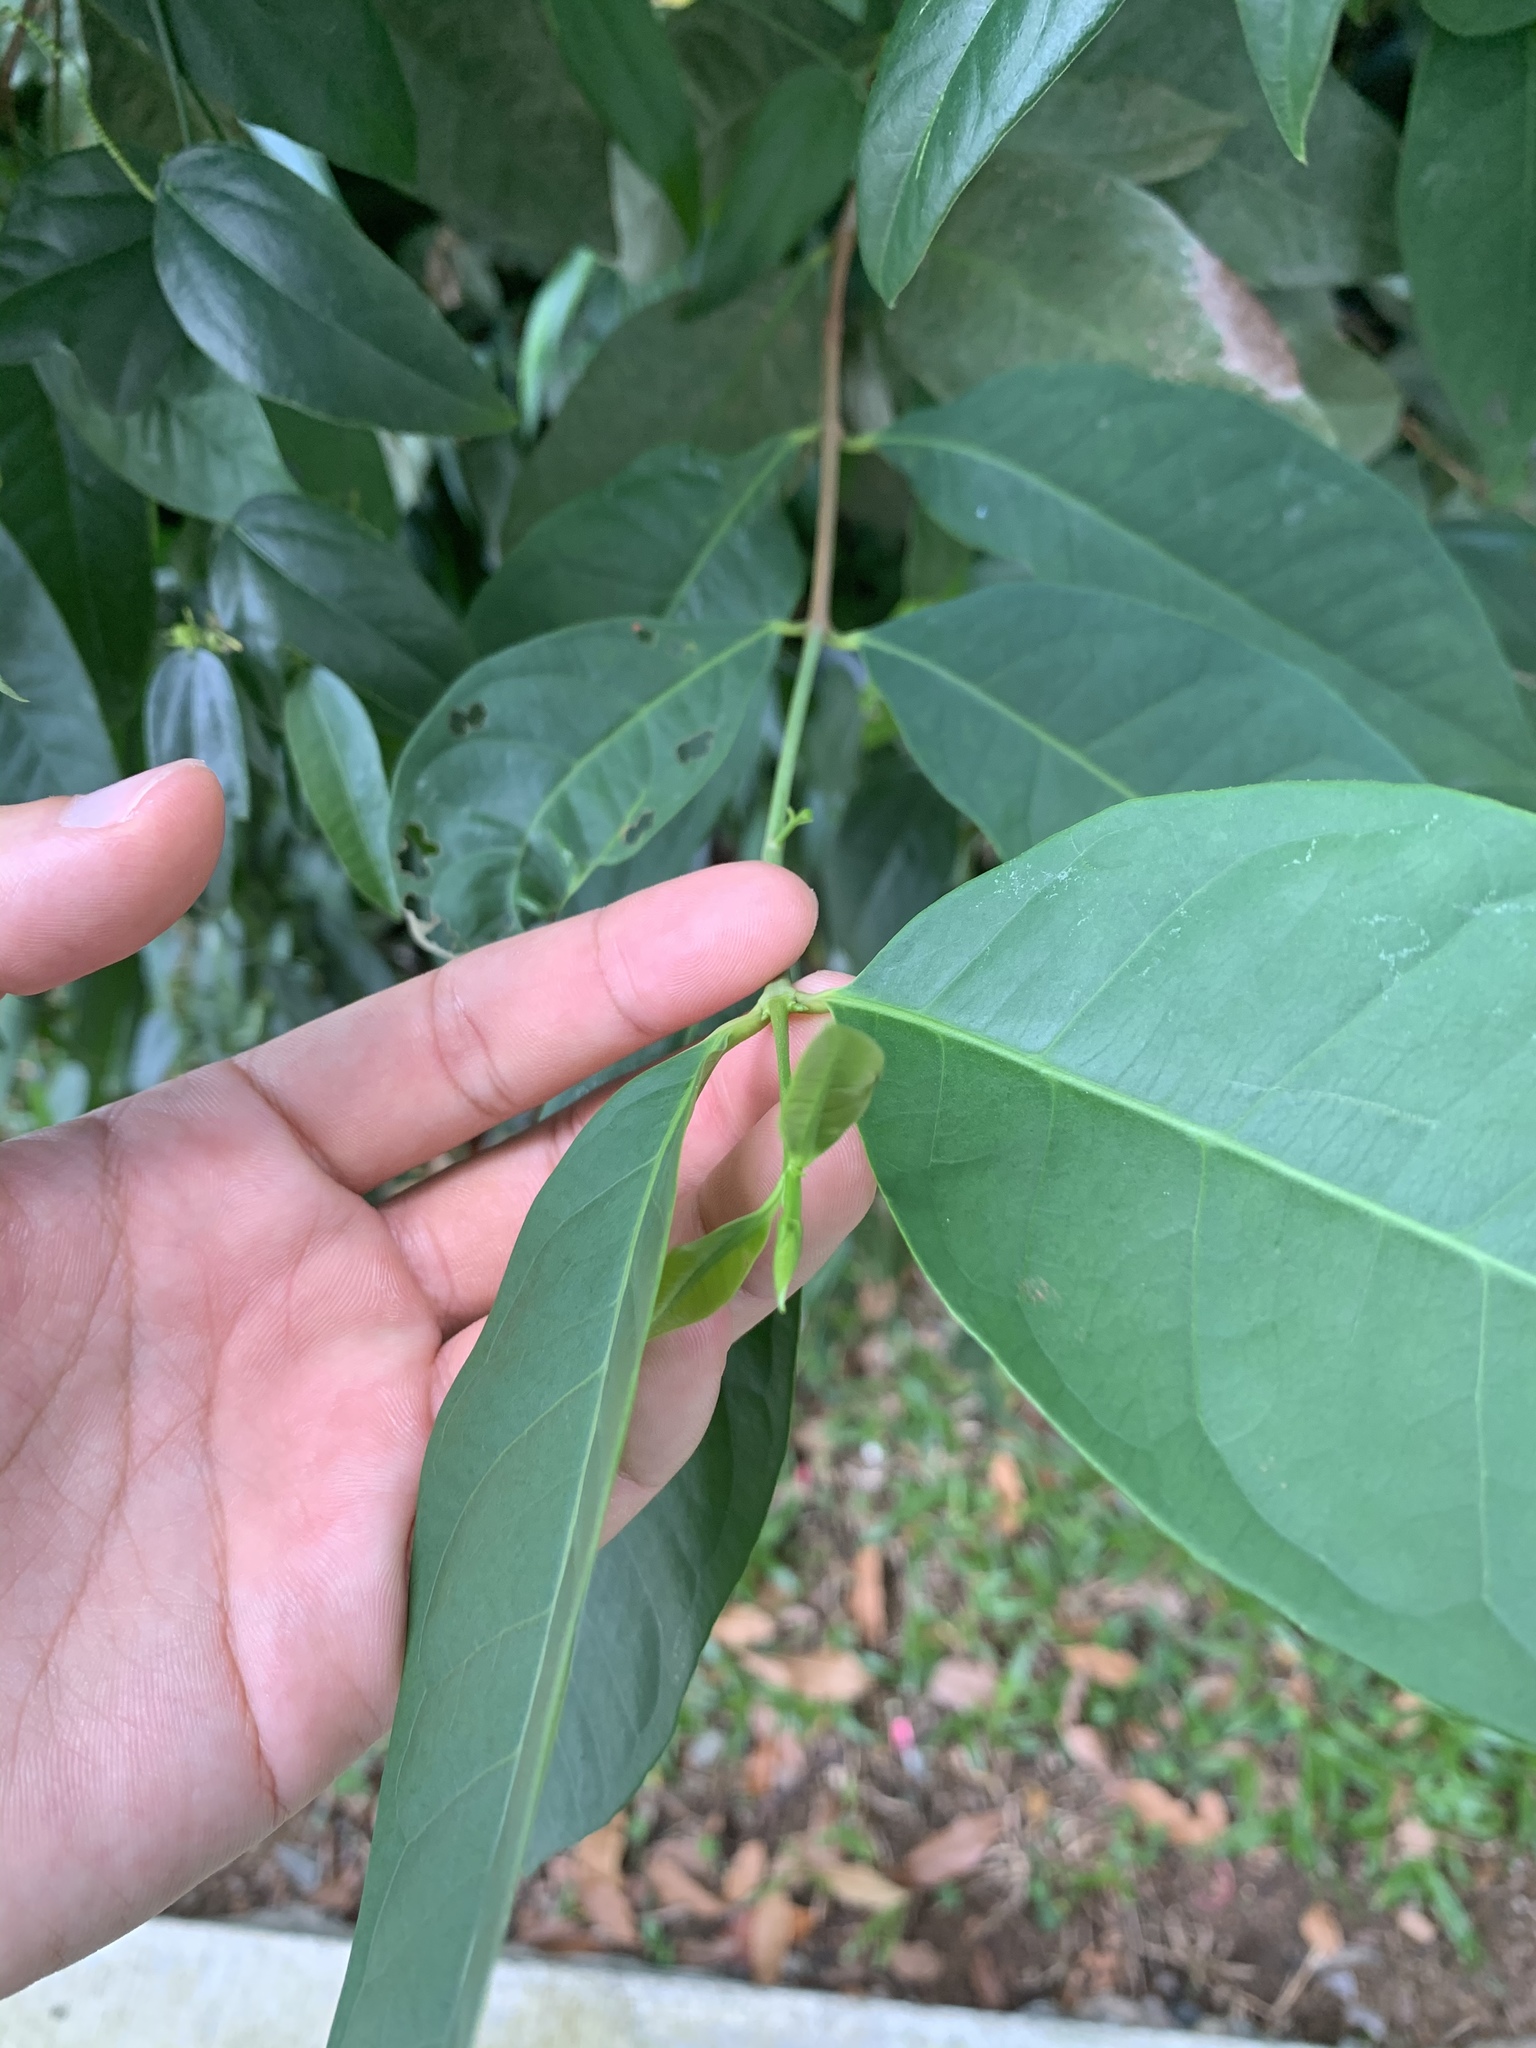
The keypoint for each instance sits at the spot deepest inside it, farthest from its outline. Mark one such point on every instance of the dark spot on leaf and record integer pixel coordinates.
(643, 633)
(470, 719)
(634, 833)
(697, 747)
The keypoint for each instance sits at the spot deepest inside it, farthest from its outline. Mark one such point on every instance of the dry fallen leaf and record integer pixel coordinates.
(1186, 1827)
(915, 1963)
(776, 1763)
(1214, 1691)
(859, 1886)
(1086, 1748)
(602, 1854)
(1417, 1926)
(955, 1850)
(606, 1909)
(674, 1887)
(744, 1627)
(1414, 1840)
(866, 1596)
(1007, 1482)
(745, 1871)
(1101, 1666)
(833, 1678)
(960, 1685)
(772, 1925)
(1319, 1928)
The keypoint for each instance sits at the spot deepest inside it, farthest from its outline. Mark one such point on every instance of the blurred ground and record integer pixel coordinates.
(974, 1731)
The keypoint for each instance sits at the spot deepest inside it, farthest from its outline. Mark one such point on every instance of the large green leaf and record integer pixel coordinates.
(290, 572)
(1213, 1120)
(204, 448)
(954, 77)
(279, 288)
(53, 744)
(1290, 42)
(680, 532)
(1269, 537)
(564, 755)
(1134, 127)
(335, 754)
(1469, 236)
(1044, 260)
(1498, 556)
(513, 1492)
(86, 533)
(1481, 17)
(617, 52)
(657, 1590)
(1032, 706)
(793, 168)
(76, 272)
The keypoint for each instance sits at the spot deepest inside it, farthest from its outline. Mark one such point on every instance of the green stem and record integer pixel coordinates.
(780, 820)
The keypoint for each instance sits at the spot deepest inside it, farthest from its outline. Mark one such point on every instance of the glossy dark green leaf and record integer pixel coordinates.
(564, 755)
(129, 89)
(335, 754)
(279, 288)
(288, 572)
(1468, 201)
(86, 533)
(794, 167)
(1481, 17)
(954, 77)
(680, 532)
(1134, 127)
(1271, 539)
(54, 743)
(894, 853)
(617, 52)
(1497, 555)
(191, 712)
(657, 1590)
(828, 1093)
(513, 1493)
(77, 272)
(1031, 706)
(340, 466)
(204, 448)
(1213, 1119)
(699, 1277)
(1290, 42)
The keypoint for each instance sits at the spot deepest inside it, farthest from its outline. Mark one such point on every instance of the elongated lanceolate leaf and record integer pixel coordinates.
(657, 1590)
(280, 288)
(1269, 537)
(513, 1493)
(335, 754)
(954, 77)
(53, 744)
(1214, 1120)
(564, 755)
(1290, 42)
(699, 1277)
(618, 53)
(191, 712)
(1032, 705)
(681, 531)
(291, 572)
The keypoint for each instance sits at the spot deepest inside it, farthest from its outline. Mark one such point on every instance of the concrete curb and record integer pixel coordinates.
(210, 1984)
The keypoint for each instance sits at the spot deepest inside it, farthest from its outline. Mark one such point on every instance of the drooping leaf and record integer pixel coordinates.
(191, 712)
(1497, 554)
(954, 76)
(76, 272)
(699, 1277)
(335, 754)
(204, 448)
(340, 466)
(1468, 200)
(1271, 538)
(279, 288)
(1044, 260)
(680, 532)
(657, 1590)
(829, 1091)
(566, 754)
(1290, 42)
(54, 742)
(1481, 17)
(1135, 128)
(1230, 1168)
(130, 92)
(513, 1493)
(893, 854)
(617, 52)
(86, 533)
(290, 572)
(794, 167)
(1031, 706)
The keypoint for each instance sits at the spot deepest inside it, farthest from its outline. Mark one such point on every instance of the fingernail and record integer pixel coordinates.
(117, 802)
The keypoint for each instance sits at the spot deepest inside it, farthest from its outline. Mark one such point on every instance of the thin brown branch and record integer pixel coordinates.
(1434, 450)
(844, 241)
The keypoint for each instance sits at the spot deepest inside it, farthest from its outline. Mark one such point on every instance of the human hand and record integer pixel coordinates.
(219, 1363)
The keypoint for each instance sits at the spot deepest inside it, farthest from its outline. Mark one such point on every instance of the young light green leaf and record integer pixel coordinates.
(680, 533)
(1468, 204)
(203, 448)
(1481, 17)
(700, 1277)
(1497, 555)
(290, 298)
(954, 77)
(52, 740)
(1272, 539)
(617, 52)
(793, 168)
(657, 1590)
(1133, 127)
(828, 1093)
(1212, 1119)
(513, 1492)
(288, 572)
(789, 1240)
(191, 712)
(7, 691)
(1031, 705)
(564, 755)
(76, 272)
(335, 754)
(1290, 42)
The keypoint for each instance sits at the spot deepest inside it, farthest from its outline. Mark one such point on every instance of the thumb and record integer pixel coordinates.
(88, 880)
